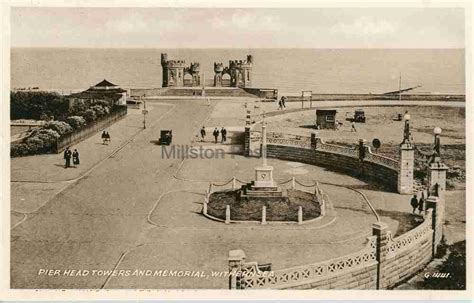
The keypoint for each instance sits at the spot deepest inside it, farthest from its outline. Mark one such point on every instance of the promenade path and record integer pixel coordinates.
(135, 209)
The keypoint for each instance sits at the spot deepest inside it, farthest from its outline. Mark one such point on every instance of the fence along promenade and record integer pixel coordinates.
(91, 129)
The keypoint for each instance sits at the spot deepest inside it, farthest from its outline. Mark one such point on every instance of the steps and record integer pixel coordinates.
(210, 92)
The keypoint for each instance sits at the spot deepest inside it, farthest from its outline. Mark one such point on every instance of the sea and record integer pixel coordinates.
(438, 71)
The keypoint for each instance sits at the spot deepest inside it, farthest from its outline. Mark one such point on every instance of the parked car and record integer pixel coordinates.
(359, 115)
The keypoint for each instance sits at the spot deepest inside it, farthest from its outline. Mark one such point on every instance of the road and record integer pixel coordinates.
(138, 210)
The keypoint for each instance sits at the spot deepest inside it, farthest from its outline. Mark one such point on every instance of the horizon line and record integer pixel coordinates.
(222, 47)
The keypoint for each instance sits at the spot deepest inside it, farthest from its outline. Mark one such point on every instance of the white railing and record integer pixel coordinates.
(305, 142)
(253, 277)
(338, 149)
(410, 239)
(379, 159)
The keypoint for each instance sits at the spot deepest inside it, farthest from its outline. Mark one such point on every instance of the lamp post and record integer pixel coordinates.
(406, 130)
(437, 142)
(144, 112)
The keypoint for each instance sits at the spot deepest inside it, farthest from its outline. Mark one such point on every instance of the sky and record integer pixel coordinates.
(238, 28)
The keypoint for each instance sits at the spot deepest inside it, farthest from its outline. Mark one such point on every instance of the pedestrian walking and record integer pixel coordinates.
(223, 134)
(353, 127)
(283, 100)
(414, 203)
(67, 157)
(208, 101)
(75, 158)
(421, 203)
(203, 133)
(104, 137)
(279, 105)
(215, 133)
(107, 137)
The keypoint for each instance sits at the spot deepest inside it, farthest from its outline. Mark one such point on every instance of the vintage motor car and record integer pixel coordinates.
(359, 115)
(166, 137)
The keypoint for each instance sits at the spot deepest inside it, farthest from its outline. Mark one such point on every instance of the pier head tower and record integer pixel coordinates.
(239, 72)
(177, 74)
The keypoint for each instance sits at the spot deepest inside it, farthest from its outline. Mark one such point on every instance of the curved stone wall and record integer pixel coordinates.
(384, 262)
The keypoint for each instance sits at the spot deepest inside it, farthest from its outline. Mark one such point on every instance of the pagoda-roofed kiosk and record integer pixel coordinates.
(104, 90)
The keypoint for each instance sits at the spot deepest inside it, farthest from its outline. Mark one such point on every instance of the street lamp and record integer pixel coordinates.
(437, 142)
(144, 112)
(406, 130)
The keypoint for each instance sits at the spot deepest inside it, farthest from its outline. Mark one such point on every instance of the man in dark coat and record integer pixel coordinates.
(75, 157)
(215, 133)
(203, 133)
(414, 203)
(421, 203)
(67, 157)
(224, 135)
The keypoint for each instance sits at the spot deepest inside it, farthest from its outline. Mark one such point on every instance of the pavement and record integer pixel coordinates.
(133, 209)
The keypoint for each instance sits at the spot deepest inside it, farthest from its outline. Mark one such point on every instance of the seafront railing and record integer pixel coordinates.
(278, 138)
(252, 277)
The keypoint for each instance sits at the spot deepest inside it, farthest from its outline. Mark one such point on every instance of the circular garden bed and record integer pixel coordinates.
(250, 208)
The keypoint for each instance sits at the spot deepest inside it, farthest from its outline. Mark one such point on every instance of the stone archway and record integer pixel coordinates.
(226, 80)
(187, 80)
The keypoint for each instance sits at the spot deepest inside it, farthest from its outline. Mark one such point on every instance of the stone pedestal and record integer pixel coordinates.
(407, 166)
(264, 177)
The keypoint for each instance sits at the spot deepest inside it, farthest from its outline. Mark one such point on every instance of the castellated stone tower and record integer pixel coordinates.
(238, 70)
(173, 71)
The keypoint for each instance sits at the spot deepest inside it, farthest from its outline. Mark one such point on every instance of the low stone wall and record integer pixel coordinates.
(357, 270)
(405, 255)
(381, 264)
(338, 162)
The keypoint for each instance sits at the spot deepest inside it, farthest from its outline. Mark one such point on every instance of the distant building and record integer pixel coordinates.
(103, 90)
(326, 118)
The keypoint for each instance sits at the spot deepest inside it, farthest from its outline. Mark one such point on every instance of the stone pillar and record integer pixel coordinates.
(433, 210)
(204, 208)
(264, 214)
(247, 141)
(236, 260)
(227, 214)
(300, 215)
(437, 179)
(407, 165)
(314, 140)
(322, 205)
(380, 230)
(362, 149)
(247, 135)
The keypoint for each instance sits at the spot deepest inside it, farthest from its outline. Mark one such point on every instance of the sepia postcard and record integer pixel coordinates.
(236, 150)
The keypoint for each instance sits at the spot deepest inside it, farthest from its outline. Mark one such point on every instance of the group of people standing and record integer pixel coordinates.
(418, 204)
(215, 133)
(68, 155)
